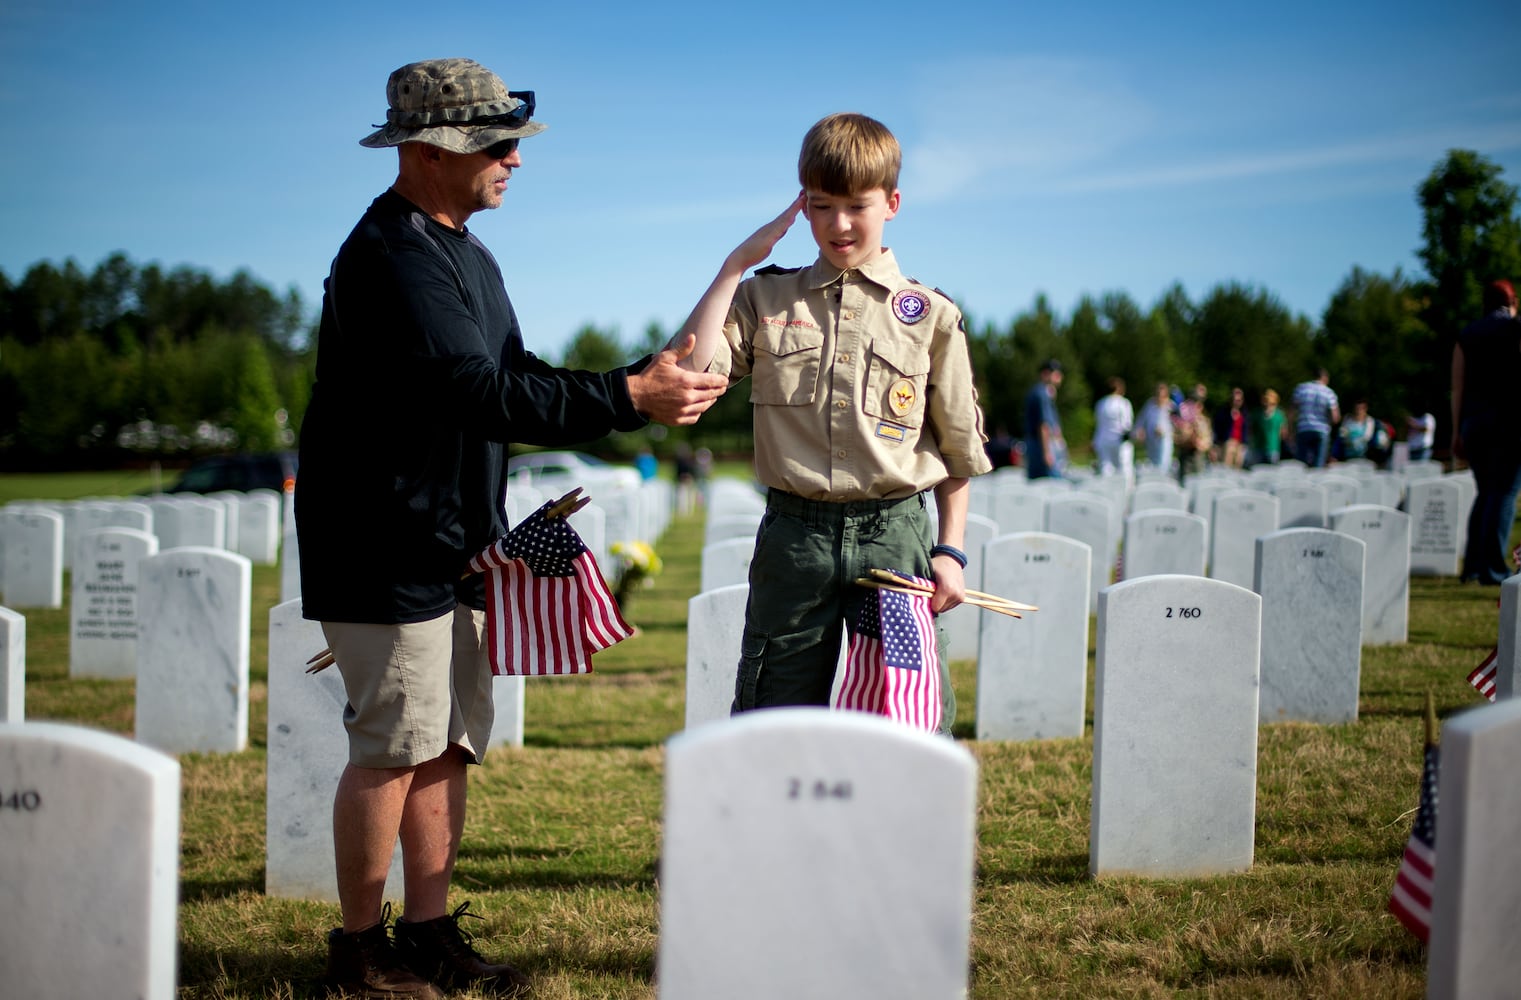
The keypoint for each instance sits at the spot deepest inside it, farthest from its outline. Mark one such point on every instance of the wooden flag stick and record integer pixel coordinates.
(903, 581)
(568, 504)
(321, 661)
(1002, 609)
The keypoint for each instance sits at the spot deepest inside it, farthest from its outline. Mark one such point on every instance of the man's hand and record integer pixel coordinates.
(669, 394)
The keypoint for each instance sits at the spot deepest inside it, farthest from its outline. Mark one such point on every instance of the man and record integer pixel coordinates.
(1486, 367)
(1316, 411)
(421, 379)
(1045, 449)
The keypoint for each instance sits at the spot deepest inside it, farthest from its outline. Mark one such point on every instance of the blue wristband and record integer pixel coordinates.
(949, 550)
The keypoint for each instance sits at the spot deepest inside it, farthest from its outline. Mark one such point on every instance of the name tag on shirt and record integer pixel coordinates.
(890, 431)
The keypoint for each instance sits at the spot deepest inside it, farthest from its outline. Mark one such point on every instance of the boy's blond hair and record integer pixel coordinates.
(847, 154)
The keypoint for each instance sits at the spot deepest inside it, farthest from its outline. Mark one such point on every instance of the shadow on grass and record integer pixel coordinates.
(1062, 869)
(550, 741)
(551, 878)
(253, 971)
(195, 889)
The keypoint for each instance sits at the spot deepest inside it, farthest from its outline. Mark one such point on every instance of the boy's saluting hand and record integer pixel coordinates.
(707, 319)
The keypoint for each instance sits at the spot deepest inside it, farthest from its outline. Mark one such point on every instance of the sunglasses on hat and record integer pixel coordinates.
(517, 116)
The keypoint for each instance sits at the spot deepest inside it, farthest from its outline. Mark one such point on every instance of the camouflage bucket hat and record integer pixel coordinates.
(456, 104)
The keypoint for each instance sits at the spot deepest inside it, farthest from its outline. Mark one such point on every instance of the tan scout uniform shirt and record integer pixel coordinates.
(861, 381)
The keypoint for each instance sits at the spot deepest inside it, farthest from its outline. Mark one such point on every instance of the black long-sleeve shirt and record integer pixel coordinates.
(422, 377)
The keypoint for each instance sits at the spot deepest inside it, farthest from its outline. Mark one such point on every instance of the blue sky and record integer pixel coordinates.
(1049, 148)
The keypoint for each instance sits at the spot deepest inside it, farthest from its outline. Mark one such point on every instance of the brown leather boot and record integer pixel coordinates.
(365, 964)
(439, 951)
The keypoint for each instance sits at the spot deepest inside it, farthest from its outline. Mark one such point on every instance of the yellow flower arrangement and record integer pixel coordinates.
(638, 564)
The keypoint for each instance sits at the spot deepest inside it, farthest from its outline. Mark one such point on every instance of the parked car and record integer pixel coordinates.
(560, 471)
(268, 471)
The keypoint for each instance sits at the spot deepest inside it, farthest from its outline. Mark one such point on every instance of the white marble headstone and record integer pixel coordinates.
(1301, 504)
(232, 504)
(103, 601)
(1018, 509)
(716, 529)
(1311, 584)
(192, 650)
(715, 626)
(12, 666)
(1434, 506)
(202, 523)
(1175, 728)
(508, 697)
(590, 523)
(726, 563)
(1158, 495)
(961, 624)
(1032, 672)
(259, 527)
(89, 867)
(1341, 491)
(1088, 520)
(1478, 884)
(308, 750)
(1240, 518)
(843, 843)
(290, 557)
(1386, 569)
(1162, 540)
(31, 549)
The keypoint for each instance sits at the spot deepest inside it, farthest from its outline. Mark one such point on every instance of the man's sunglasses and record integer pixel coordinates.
(517, 116)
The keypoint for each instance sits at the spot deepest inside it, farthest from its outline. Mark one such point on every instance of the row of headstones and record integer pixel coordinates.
(772, 827)
(39, 541)
(1325, 594)
(1155, 542)
(1438, 505)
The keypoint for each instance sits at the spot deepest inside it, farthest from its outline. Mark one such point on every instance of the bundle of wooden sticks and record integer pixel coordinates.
(883, 579)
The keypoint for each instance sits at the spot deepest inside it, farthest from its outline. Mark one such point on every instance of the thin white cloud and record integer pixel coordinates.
(1033, 115)
(1380, 149)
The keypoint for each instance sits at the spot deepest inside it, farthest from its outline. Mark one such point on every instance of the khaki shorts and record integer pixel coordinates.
(414, 689)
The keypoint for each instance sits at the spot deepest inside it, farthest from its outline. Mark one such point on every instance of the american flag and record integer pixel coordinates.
(547, 607)
(1415, 881)
(1482, 677)
(892, 667)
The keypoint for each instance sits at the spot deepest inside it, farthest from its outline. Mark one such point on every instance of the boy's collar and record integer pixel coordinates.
(881, 269)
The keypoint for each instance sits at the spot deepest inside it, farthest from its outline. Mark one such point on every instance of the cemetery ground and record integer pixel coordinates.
(563, 838)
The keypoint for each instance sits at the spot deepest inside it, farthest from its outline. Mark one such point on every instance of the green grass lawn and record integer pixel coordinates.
(563, 833)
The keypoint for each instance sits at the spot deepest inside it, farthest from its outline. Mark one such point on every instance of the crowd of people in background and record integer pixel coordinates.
(1182, 433)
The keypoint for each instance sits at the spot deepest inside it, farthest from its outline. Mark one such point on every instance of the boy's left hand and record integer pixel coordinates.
(950, 584)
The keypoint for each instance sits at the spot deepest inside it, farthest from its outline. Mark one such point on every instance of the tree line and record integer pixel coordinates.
(132, 361)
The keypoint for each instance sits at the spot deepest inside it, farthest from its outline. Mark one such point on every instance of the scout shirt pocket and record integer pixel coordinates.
(896, 381)
(787, 360)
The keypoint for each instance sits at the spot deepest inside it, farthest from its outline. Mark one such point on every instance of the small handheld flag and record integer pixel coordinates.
(892, 666)
(547, 607)
(1415, 882)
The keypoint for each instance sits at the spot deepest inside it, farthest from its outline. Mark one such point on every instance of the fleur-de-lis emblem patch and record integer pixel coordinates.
(901, 396)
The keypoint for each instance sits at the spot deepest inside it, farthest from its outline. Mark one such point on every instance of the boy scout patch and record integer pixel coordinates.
(910, 305)
(901, 396)
(891, 431)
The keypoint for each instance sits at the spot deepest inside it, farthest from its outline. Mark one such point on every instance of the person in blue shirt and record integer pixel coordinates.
(1045, 448)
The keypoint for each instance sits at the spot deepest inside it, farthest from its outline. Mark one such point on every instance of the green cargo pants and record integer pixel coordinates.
(808, 554)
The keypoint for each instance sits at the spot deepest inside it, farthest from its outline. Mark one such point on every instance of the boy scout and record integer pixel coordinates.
(863, 400)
